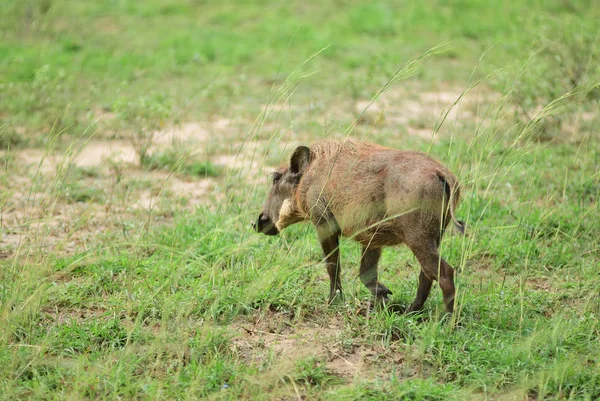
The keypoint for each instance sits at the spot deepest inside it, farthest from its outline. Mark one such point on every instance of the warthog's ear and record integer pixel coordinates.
(300, 159)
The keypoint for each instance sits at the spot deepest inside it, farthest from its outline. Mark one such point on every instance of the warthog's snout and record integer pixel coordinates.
(265, 225)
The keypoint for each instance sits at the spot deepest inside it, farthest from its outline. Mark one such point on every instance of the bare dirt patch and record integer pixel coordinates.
(36, 160)
(59, 213)
(195, 190)
(96, 153)
(58, 316)
(191, 132)
(283, 341)
(540, 284)
(61, 198)
(420, 113)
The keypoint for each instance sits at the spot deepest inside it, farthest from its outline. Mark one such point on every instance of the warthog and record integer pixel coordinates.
(375, 195)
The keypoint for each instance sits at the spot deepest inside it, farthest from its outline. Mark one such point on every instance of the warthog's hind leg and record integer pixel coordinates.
(422, 293)
(434, 267)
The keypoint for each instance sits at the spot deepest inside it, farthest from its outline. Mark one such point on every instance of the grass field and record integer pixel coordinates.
(137, 139)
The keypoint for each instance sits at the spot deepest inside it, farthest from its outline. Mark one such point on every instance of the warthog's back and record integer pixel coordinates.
(374, 193)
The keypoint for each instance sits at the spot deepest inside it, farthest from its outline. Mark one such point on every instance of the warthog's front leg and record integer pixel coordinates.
(331, 248)
(368, 273)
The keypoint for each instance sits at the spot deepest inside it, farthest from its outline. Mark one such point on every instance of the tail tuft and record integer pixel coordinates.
(453, 195)
(460, 226)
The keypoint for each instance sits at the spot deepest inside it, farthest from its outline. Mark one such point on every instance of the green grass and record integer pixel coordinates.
(172, 160)
(186, 302)
(60, 61)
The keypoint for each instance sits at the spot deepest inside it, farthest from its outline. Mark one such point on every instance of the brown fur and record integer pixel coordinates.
(376, 195)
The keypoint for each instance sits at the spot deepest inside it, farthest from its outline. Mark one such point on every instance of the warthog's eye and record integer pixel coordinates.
(277, 176)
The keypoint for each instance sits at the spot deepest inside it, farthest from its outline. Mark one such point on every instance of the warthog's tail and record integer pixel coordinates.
(453, 194)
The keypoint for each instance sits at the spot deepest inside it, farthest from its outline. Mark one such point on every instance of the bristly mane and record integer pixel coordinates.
(329, 148)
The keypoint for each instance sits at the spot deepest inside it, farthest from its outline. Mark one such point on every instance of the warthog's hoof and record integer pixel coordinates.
(382, 292)
(380, 295)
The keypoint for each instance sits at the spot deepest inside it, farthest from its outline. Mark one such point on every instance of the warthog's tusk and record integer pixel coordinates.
(285, 214)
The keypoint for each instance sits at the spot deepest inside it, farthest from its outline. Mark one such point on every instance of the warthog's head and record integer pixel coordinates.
(279, 210)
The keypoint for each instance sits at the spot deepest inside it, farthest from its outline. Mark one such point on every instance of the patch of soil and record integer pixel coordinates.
(38, 160)
(96, 153)
(288, 342)
(420, 112)
(51, 220)
(192, 132)
(58, 316)
(50, 205)
(194, 190)
(540, 284)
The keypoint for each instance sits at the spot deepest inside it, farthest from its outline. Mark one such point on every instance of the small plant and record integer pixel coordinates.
(9, 137)
(178, 162)
(311, 373)
(44, 98)
(144, 115)
(202, 169)
(76, 187)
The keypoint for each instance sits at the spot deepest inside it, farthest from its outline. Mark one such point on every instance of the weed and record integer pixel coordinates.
(145, 116)
(312, 373)
(9, 138)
